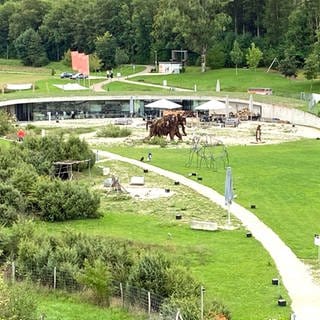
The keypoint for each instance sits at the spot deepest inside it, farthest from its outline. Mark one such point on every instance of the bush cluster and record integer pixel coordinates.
(16, 302)
(25, 188)
(112, 131)
(57, 200)
(92, 261)
(7, 122)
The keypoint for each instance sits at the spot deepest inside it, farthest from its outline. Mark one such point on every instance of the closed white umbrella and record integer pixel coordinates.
(227, 106)
(228, 191)
(251, 105)
(163, 104)
(131, 106)
(213, 105)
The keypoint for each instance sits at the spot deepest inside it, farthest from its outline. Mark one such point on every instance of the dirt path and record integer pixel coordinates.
(303, 291)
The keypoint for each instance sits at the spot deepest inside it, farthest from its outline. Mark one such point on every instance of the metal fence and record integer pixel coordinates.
(122, 295)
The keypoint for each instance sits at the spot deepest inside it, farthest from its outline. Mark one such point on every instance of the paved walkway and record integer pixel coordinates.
(98, 87)
(303, 291)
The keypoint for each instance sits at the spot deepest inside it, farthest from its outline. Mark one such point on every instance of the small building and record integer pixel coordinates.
(170, 67)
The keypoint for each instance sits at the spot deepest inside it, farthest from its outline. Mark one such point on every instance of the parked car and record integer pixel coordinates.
(66, 75)
(77, 76)
(233, 122)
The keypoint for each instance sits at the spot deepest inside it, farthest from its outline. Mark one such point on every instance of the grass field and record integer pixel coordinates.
(286, 91)
(234, 269)
(57, 306)
(281, 180)
(229, 82)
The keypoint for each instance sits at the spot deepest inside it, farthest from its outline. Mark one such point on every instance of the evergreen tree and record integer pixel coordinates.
(311, 68)
(30, 50)
(288, 65)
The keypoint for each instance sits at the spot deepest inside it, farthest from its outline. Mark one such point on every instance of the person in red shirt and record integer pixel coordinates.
(21, 134)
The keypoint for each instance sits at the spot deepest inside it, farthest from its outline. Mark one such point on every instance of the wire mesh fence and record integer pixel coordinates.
(123, 295)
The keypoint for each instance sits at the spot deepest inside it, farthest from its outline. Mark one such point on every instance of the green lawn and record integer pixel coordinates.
(281, 180)
(234, 269)
(57, 306)
(286, 91)
(128, 88)
(229, 82)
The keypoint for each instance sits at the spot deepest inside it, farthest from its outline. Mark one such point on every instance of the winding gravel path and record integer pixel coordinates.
(303, 291)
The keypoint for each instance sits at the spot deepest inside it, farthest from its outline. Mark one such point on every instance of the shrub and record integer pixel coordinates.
(112, 131)
(16, 302)
(24, 178)
(96, 277)
(150, 273)
(58, 201)
(41, 152)
(6, 123)
(158, 141)
(218, 310)
(188, 306)
(11, 203)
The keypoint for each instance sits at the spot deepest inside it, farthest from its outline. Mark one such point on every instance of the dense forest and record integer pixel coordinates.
(145, 31)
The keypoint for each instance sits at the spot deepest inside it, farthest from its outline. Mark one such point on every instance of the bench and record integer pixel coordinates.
(263, 91)
(203, 225)
(137, 181)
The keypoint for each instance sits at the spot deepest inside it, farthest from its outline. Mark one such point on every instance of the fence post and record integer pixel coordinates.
(54, 278)
(13, 272)
(121, 294)
(149, 303)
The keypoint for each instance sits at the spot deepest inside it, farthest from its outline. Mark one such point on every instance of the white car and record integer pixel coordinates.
(79, 76)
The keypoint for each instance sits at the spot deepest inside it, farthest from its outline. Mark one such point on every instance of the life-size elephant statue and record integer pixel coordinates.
(167, 125)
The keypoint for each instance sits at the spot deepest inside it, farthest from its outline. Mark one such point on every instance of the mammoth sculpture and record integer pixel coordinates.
(167, 125)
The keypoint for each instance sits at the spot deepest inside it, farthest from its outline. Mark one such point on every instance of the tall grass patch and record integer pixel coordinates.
(113, 131)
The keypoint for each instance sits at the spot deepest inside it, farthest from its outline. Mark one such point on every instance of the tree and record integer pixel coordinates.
(288, 66)
(236, 55)
(67, 61)
(311, 68)
(142, 19)
(95, 63)
(121, 57)
(6, 12)
(312, 64)
(196, 23)
(275, 20)
(30, 50)
(216, 57)
(106, 49)
(253, 56)
(29, 14)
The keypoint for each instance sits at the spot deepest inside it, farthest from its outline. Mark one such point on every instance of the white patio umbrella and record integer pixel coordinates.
(228, 191)
(163, 104)
(213, 105)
